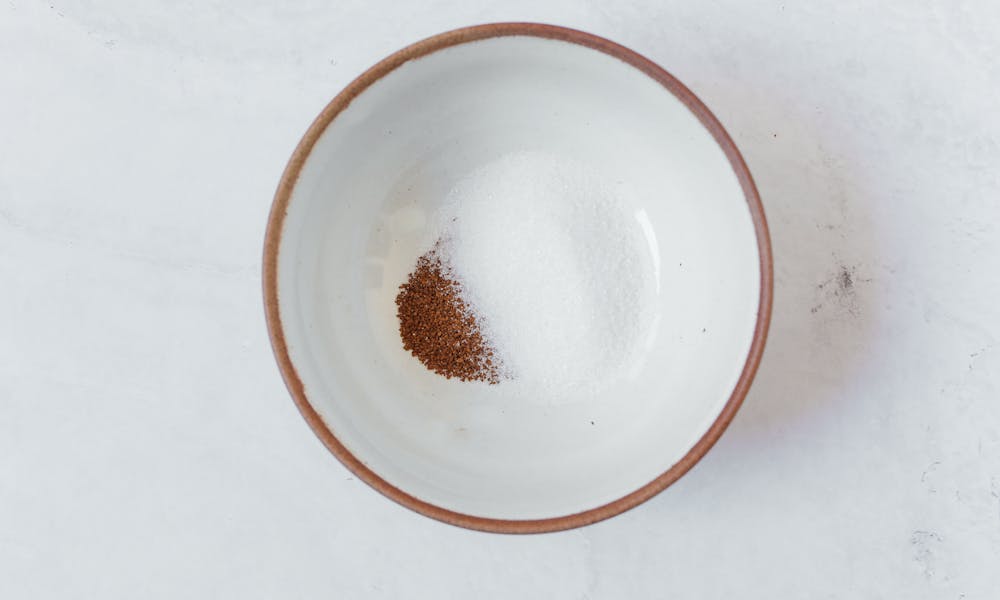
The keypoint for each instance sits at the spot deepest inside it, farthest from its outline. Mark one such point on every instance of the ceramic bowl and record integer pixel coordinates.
(344, 231)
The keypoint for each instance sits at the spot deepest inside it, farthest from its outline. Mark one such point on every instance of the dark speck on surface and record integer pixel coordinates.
(841, 289)
(846, 282)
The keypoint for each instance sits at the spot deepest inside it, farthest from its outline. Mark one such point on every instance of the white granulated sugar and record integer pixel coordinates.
(554, 266)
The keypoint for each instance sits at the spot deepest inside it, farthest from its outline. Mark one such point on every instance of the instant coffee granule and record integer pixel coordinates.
(438, 328)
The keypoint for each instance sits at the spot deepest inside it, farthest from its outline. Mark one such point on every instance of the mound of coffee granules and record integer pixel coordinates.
(438, 328)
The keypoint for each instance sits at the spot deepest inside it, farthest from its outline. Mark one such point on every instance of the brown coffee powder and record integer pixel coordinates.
(437, 327)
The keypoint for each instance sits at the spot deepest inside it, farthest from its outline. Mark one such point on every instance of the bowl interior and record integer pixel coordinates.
(355, 223)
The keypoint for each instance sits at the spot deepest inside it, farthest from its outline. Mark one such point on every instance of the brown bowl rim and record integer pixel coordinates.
(272, 243)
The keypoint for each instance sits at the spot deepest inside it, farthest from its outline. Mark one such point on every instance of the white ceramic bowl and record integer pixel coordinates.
(345, 228)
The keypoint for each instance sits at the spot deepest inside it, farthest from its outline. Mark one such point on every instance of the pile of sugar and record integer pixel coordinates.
(554, 267)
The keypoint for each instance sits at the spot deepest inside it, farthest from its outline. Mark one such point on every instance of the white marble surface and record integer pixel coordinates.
(149, 450)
